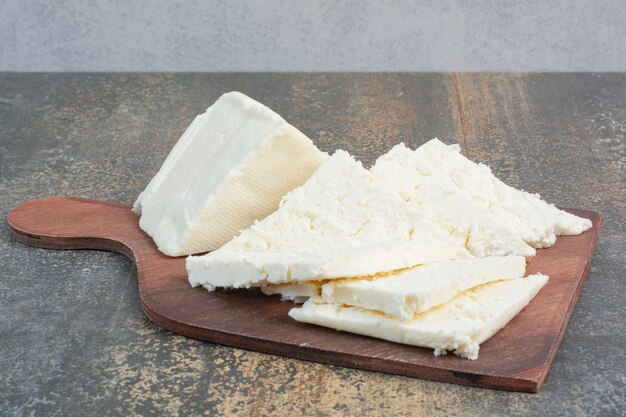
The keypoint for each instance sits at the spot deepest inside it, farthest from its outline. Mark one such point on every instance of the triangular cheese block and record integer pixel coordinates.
(231, 167)
(342, 222)
(492, 218)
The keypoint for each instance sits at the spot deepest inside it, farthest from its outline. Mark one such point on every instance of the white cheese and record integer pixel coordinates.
(458, 326)
(492, 218)
(342, 222)
(231, 167)
(298, 292)
(415, 290)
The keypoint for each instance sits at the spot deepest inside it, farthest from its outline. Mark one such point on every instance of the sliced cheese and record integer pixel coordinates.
(231, 167)
(415, 290)
(342, 222)
(458, 326)
(492, 218)
(298, 292)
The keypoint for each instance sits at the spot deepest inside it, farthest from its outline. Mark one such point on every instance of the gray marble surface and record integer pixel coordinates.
(312, 35)
(73, 338)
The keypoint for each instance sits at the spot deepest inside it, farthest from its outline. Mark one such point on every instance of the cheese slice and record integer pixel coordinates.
(492, 218)
(231, 167)
(298, 292)
(342, 222)
(415, 290)
(458, 326)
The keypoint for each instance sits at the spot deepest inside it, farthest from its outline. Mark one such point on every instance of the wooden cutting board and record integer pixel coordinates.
(517, 358)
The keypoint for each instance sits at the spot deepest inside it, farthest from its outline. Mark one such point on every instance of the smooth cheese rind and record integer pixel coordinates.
(458, 326)
(341, 222)
(466, 198)
(415, 290)
(231, 167)
(298, 292)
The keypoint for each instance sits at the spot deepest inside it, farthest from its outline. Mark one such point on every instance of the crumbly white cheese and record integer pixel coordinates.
(458, 326)
(231, 167)
(415, 290)
(341, 222)
(492, 218)
(298, 292)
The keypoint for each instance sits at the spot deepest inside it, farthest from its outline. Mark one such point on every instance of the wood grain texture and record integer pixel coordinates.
(517, 358)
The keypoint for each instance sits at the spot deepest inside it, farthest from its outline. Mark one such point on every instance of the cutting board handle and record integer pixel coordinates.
(78, 223)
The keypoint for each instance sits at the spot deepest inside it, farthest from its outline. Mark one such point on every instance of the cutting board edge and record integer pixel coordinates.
(328, 357)
(596, 219)
(69, 243)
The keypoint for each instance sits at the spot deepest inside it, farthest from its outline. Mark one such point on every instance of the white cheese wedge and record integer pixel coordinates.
(492, 218)
(415, 290)
(298, 292)
(231, 167)
(342, 222)
(458, 326)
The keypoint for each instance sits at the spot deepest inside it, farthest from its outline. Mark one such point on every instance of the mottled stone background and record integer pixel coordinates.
(329, 35)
